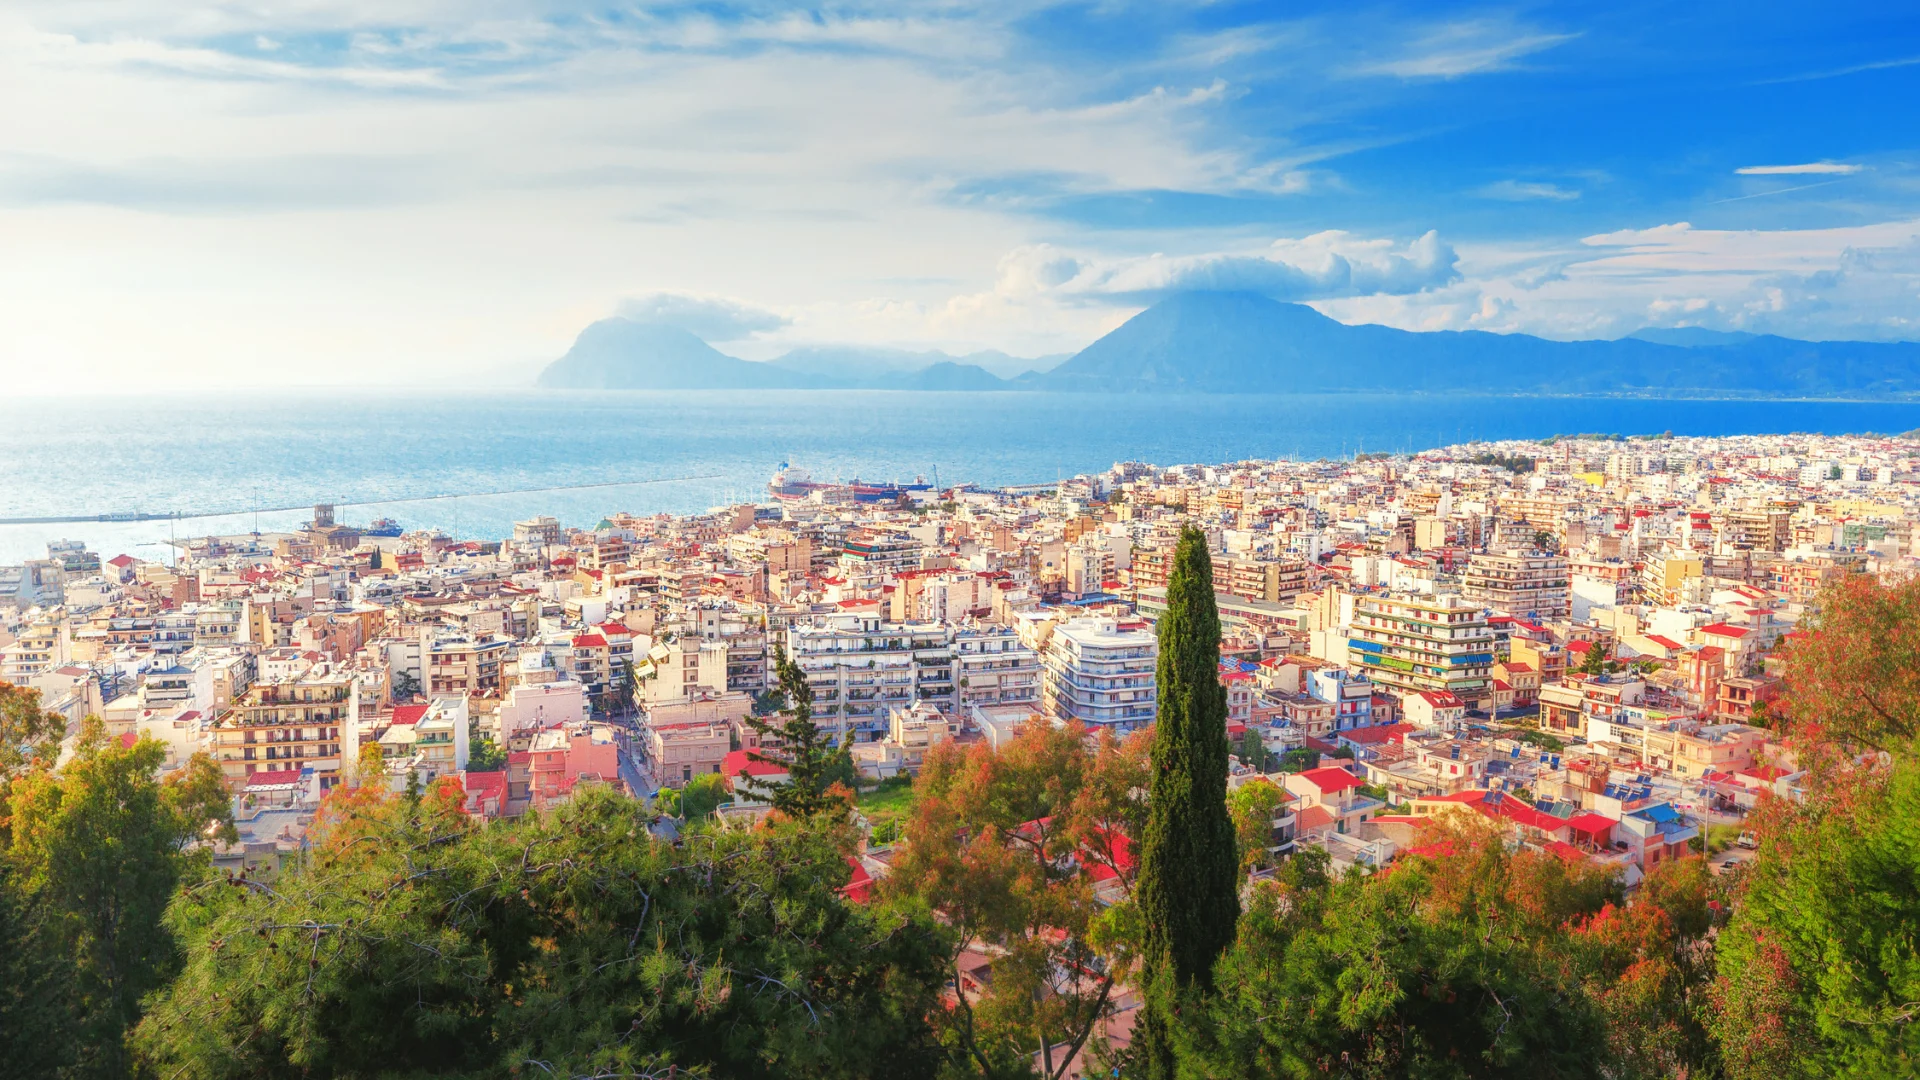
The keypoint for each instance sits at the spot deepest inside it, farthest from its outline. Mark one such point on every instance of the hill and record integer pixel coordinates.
(621, 354)
(1240, 342)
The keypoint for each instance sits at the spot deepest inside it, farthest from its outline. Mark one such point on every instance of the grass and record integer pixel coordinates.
(1721, 837)
(890, 797)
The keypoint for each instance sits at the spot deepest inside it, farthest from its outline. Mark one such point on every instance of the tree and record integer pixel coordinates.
(101, 846)
(1189, 863)
(36, 987)
(404, 685)
(1009, 847)
(483, 754)
(1595, 662)
(412, 942)
(814, 764)
(1453, 965)
(1253, 806)
(1818, 971)
(29, 735)
(1253, 750)
(701, 796)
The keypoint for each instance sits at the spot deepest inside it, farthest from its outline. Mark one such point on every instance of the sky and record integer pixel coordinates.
(445, 192)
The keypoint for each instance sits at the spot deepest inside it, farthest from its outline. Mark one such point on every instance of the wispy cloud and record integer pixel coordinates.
(1853, 69)
(1463, 48)
(1811, 168)
(1526, 191)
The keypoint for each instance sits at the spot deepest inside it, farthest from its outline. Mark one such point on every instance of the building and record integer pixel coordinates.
(860, 667)
(1530, 585)
(1100, 671)
(1411, 644)
(462, 664)
(992, 666)
(307, 721)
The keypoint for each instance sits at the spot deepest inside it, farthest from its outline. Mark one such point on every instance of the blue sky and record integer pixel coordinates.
(417, 190)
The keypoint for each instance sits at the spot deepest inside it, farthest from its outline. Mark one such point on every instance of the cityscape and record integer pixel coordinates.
(1034, 540)
(1572, 643)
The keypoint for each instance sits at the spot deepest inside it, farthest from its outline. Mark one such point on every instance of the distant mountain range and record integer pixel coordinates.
(1241, 343)
(622, 354)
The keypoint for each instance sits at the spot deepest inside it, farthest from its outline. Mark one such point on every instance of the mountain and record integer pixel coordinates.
(1240, 342)
(1691, 337)
(858, 365)
(621, 354)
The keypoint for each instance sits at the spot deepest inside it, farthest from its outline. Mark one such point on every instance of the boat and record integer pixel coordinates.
(383, 527)
(793, 484)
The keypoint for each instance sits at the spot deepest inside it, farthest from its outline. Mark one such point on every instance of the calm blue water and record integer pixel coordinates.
(372, 449)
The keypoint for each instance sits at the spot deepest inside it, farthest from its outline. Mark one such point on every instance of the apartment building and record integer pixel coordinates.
(1412, 644)
(1531, 585)
(459, 663)
(860, 667)
(1271, 580)
(308, 720)
(1100, 671)
(992, 666)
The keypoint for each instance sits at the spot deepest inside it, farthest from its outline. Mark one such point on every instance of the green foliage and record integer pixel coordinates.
(820, 773)
(1515, 463)
(1253, 751)
(483, 754)
(1552, 744)
(1252, 806)
(415, 943)
(1466, 960)
(1299, 759)
(1005, 846)
(1819, 967)
(36, 987)
(98, 847)
(702, 795)
(1189, 859)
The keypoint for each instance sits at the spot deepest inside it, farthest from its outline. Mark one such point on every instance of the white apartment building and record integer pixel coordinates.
(1100, 671)
(860, 667)
(992, 666)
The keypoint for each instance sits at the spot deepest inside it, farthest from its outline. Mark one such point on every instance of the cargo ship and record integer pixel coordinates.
(382, 527)
(793, 484)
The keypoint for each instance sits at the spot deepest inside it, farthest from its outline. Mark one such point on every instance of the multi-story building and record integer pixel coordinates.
(1100, 671)
(1272, 580)
(307, 721)
(992, 666)
(462, 663)
(1531, 585)
(1411, 644)
(1350, 692)
(860, 667)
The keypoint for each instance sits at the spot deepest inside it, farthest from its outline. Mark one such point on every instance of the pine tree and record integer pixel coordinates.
(813, 761)
(1189, 864)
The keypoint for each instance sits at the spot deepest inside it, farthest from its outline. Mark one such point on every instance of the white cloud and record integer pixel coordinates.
(1525, 191)
(712, 318)
(1321, 266)
(1471, 47)
(1812, 168)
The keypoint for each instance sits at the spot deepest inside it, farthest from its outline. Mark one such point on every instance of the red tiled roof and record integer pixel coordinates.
(273, 779)
(860, 886)
(589, 641)
(742, 763)
(408, 714)
(1441, 699)
(1330, 779)
(1313, 817)
(1588, 823)
(1725, 630)
(1664, 642)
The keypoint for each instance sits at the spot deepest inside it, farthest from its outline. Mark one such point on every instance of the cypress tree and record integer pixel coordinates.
(1188, 890)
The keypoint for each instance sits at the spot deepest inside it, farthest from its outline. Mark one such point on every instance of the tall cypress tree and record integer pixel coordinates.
(813, 761)
(1189, 869)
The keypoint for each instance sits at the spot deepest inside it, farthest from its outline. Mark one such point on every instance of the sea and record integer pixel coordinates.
(472, 463)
